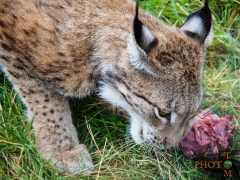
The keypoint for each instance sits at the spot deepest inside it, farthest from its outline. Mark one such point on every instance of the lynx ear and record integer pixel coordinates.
(198, 24)
(143, 36)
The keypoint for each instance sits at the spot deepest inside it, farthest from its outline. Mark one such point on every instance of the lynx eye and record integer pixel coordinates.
(162, 114)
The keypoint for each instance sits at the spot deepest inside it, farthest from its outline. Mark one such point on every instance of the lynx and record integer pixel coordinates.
(52, 50)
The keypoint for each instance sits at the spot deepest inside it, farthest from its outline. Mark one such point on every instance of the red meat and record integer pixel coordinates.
(208, 135)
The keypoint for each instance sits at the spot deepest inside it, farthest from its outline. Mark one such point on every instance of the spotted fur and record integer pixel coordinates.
(51, 50)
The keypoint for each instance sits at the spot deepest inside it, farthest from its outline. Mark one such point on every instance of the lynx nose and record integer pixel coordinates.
(169, 145)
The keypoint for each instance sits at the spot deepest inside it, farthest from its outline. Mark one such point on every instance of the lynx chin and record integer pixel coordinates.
(51, 50)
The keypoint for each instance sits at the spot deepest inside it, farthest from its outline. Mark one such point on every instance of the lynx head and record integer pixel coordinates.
(161, 87)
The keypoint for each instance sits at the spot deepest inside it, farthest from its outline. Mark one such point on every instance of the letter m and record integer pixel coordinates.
(227, 173)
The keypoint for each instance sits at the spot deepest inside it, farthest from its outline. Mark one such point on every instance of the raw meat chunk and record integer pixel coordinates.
(208, 135)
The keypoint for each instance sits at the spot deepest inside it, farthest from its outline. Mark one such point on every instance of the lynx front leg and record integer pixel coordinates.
(56, 136)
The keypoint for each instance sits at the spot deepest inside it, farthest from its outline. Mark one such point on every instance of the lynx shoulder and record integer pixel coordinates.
(51, 50)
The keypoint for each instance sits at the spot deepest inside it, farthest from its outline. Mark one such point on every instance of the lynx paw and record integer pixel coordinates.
(75, 160)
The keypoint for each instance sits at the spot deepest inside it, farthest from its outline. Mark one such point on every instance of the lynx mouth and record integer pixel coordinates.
(142, 134)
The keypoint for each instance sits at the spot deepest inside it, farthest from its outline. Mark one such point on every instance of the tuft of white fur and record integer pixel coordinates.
(194, 25)
(136, 128)
(110, 94)
(148, 37)
(135, 56)
(173, 118)
(157, 113)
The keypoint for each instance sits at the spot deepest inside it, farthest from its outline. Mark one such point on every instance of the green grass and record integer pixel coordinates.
(105, 132)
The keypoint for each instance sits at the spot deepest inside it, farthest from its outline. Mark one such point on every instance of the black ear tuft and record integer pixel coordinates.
(143, 36)
(198, 24)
